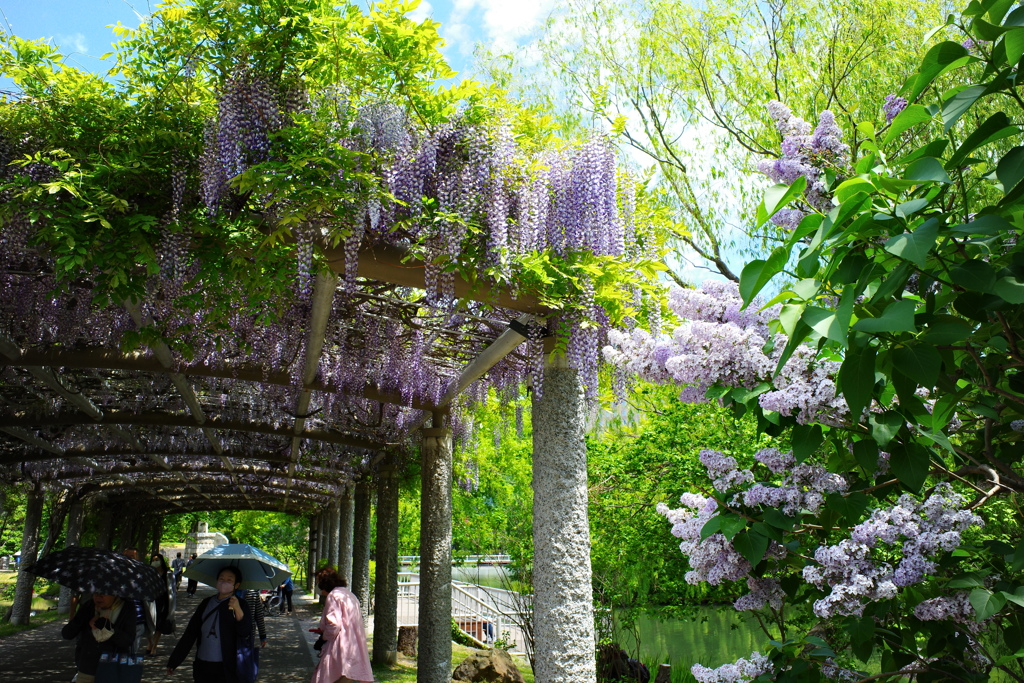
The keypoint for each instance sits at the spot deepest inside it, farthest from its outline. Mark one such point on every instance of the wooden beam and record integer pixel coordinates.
(102, 359)
(393, 265)
(169, 420)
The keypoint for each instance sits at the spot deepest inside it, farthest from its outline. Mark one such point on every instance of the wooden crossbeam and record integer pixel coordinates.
(155, 419)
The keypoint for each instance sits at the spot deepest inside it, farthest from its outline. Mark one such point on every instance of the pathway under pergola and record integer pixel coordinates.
(136, 436)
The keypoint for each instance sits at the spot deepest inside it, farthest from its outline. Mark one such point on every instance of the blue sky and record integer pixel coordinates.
(79, 27)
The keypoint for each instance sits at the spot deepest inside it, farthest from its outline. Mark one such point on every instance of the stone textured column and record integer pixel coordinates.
(157, 535)
(22, 605)
(333, 522)
(105, 534)
(434, 653)
(311, 552)
(563, 612)
(385, 594)
(321, 537)
(71, 538)
(346, 509)
(361, 546)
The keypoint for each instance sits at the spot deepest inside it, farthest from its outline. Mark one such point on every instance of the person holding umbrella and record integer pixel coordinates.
(106, 624)
(215, 627)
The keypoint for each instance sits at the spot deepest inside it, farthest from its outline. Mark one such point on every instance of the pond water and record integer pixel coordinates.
(715, 636)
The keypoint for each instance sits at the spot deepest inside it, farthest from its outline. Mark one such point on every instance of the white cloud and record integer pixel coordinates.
(72, 43)
(424, 11)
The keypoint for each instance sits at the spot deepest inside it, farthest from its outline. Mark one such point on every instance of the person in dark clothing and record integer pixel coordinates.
(287, 588)
(214, 628)
(192, 583)
(104, 624)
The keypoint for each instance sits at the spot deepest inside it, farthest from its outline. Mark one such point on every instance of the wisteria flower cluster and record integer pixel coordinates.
(805, 154)
(915, 532)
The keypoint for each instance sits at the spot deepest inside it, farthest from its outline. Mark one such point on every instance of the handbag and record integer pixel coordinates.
(119, 667)
(247, 661)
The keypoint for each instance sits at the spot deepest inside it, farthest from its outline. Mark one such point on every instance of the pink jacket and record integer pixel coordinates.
(344, 653)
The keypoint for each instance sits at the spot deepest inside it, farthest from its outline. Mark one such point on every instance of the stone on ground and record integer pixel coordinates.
(493, 666)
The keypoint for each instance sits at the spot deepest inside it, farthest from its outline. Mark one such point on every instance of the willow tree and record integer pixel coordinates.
(685, 87)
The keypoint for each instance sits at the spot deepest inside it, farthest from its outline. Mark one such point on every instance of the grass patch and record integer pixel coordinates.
(40, 605)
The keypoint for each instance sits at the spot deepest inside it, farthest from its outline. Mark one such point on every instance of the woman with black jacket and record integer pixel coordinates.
(104, 624)
(215, 627)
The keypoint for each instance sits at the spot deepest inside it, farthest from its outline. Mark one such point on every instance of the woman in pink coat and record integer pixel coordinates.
(344, 655)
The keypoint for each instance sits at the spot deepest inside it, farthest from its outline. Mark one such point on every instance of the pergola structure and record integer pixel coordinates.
(139, 435)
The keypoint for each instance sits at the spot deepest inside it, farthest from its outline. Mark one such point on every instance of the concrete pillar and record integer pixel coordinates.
(72, 538)
(385, 594)
(105, 533)
(311, 553)
(346, 517)
(22, 605)
(563, 612)
(361, 546)
(333, 522)
(434, 653)
(157, 534)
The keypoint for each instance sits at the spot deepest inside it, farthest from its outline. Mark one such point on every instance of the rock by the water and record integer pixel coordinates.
(493, 666)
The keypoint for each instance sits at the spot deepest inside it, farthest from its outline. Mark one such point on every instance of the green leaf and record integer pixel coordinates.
(806, 439)
(909, 117)
(851, 507)
(915, 246)
(995, 127)
(751, 545)
(927, 169)
(825, 323)
(942, 57)
(777, 197)
(955, 106)
(884, 426)
(1010, 170)
(920, 362)
(778, 520)
(1013, 41)
(897, 317)
(857, 379)
(862, 637)
(986, 604)
(1011, 289)
(968, 580)
(852, 187)
(726, 524)
(865, 452)
(758, 273)
(946, 329)
(910, 464)
(987, 224)
(974, 274)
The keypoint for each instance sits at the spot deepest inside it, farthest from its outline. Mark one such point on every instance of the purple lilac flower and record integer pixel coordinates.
(893, 106)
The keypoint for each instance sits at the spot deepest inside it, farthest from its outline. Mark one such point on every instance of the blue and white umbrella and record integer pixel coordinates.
(259, 570)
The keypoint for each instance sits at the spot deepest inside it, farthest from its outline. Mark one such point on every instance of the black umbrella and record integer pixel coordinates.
(94, 570)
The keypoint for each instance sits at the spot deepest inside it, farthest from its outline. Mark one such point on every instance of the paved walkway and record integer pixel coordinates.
(40, 655)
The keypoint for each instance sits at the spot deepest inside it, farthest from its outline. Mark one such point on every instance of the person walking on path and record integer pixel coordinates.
(192, 583)
(104, 624)
(259, 626)
(287, 588)
(215, 627)
(178, 566)
(344, 656)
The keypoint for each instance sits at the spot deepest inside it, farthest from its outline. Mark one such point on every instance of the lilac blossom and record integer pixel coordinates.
(740, 671)
(893, 106)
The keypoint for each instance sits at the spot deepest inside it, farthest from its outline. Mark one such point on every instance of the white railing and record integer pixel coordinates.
(414, 560)
(485, 614)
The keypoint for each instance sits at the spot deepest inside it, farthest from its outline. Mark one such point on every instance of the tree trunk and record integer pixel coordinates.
(361, 547)
(22, 605)
(435, 608)
(72, 538)
(385, 595)
(346, 509)
(563, 618)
